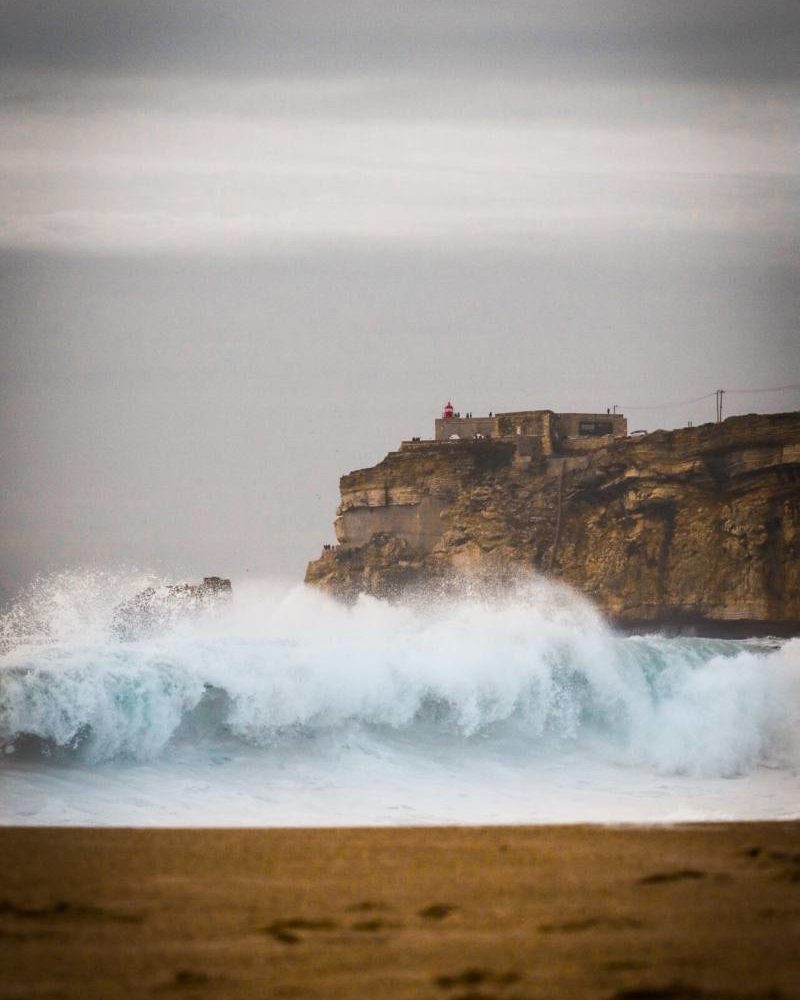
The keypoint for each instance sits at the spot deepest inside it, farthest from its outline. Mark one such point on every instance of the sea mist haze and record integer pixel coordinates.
(285, 708)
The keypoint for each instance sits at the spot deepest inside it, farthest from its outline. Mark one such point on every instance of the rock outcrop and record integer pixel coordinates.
(695, 529)
(157, 608)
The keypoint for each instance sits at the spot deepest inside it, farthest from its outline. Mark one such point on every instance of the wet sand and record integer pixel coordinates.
(503, 913)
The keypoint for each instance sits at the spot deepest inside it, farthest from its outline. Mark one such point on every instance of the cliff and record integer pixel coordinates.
(694, 529)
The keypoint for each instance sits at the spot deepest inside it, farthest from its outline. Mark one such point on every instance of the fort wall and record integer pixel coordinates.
(551, 429)
(590, 425)
(465, 427)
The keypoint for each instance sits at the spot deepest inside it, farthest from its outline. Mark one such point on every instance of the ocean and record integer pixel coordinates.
(285, 708)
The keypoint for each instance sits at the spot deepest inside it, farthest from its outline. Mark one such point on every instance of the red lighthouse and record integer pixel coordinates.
(447, 413)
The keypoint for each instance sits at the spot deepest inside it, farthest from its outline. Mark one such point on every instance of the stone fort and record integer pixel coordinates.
(535, 433)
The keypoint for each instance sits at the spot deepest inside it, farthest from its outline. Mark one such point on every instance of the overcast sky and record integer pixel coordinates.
(248, 246)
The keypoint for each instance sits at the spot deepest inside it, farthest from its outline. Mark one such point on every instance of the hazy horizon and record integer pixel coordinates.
(248, 247)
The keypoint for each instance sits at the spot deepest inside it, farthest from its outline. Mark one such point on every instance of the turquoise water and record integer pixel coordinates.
(284, 707)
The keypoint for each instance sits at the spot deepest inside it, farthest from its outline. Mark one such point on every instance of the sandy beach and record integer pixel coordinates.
(452, 913)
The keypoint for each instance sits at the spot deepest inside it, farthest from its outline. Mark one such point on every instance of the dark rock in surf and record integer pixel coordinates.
(157, 608)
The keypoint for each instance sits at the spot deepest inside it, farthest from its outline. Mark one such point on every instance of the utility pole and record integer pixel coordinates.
(719, 394)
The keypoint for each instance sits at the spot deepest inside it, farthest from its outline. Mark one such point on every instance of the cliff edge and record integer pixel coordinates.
(695, 529)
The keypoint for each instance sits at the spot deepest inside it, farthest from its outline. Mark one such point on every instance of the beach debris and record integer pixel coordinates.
(785, 863)
(371, 926)
(286, 931)
(62, 908)
(189, 977)
(590, 923)
(367, 906)
(674, 991)
(436, 911)
(681, 875)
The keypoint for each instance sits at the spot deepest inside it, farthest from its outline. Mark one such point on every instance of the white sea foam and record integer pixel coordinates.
(526, 702)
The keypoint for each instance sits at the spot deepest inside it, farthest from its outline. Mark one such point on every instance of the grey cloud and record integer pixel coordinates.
(716, 39)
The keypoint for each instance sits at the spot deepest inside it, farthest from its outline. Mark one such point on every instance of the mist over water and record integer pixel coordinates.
(283, 707)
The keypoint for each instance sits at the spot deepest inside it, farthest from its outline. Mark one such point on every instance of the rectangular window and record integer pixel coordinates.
(595, 428)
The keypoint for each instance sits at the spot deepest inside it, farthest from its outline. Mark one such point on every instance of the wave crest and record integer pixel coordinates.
(536, 666)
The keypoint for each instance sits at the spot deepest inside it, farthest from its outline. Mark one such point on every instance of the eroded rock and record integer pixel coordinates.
(155, 609)
(694, 530)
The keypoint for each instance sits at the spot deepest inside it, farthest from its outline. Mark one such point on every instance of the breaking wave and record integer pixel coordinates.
(536, 668)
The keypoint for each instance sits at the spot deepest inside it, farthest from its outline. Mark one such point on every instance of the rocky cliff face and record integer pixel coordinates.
(693, 529)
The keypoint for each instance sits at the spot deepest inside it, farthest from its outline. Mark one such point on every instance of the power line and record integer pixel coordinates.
(666, 406)
(708, 395)
(774, 388)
